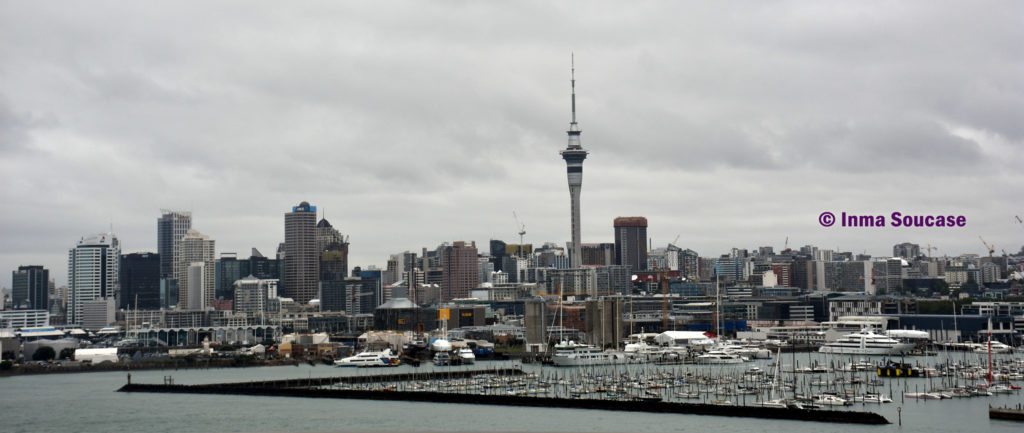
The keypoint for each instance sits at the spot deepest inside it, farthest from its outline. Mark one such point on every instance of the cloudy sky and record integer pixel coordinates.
(414, 123)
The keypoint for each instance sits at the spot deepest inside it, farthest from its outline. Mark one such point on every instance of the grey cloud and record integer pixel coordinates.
(415, 124)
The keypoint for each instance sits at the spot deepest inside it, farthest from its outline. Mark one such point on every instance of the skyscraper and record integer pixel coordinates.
(195, 263)
(574, 156)
(301, 258)
(460, 271)
(170, 228)
(140, 281)
(631, 242)
(92, 273)
(30, 287)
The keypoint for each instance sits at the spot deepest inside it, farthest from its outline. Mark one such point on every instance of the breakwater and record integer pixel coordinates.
(315, 388)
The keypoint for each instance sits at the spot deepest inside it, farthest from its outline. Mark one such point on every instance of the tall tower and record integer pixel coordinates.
(301, 259)
(574, 156)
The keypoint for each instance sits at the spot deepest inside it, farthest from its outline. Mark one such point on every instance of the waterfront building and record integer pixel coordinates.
(93, 272)
(15, 319)
(631, 242)
(301, 257)
(30, 287)
(140, 281)
(97, 313)
(574, 155)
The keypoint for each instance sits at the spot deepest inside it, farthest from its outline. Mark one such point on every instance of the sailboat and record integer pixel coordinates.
(779, 403)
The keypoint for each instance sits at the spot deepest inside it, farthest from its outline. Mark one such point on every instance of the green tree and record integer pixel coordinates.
(45, 353)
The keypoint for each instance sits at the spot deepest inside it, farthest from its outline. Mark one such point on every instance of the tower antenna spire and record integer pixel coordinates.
(572, 75)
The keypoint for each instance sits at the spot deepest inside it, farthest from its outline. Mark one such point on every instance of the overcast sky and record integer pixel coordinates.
(414, 123)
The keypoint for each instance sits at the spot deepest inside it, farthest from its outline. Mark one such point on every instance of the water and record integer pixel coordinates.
(86, 402)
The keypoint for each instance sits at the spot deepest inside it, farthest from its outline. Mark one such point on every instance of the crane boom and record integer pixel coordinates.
(991, 248)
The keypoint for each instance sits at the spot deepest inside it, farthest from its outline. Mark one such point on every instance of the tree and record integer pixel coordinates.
(45, 353)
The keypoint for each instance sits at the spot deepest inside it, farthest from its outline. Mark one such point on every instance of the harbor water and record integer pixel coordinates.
(87, 402)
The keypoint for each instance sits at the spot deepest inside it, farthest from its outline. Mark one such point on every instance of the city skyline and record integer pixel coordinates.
(717, 134)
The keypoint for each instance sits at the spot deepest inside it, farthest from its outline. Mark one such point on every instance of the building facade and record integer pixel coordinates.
(140, 281)
(460, 272)
(30, 288)
(196, 251)
(92, 273)
(631, 242)
(301, 258)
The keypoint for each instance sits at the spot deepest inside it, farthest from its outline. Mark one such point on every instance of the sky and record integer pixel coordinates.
(414, 123)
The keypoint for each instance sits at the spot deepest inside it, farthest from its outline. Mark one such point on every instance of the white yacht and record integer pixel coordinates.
(720, 357)
(571, 353)
(383, 358)
(866, 342)
(997, 347)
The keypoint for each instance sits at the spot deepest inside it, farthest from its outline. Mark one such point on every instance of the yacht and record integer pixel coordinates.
(872, 398)
(383, 358)
(571, 353)
(719, 357)
(997, 347)
(866, 342)
(828, 400)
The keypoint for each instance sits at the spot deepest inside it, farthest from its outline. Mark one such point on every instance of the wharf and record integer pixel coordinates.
(319, 388)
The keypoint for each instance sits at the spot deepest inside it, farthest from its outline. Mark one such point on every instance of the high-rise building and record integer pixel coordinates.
(92, 273)
(196, 250)
(906, 250)
(30, 287)
(574, 155)
(602, 254)
(460, 271)
(228, 270)
(170, 228)
(333, 250)
(301, 258)
(631, 242)
(140, 281)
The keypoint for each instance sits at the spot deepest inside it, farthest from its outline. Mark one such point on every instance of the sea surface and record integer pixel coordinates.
(87, 402)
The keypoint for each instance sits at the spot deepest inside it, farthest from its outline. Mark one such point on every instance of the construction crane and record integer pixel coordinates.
(785, 247)
(930, 248)
(522, 232)
(1018, 219)
(676, 240)
(991, 248)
